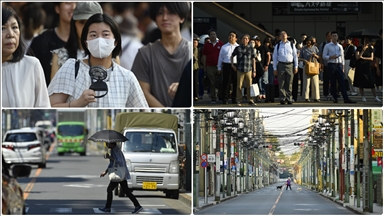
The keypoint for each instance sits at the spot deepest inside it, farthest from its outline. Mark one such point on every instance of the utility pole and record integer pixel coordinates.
(215, 114)
(196, 175)
(346, 154)
(229, 161)
(367, 166)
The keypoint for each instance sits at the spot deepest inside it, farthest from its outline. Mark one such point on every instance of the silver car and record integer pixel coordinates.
(24, 146)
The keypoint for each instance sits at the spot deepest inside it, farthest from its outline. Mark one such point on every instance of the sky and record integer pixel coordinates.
(292, 124)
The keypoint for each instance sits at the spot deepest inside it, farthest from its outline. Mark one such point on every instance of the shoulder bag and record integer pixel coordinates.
(116, 173)
(312, 67)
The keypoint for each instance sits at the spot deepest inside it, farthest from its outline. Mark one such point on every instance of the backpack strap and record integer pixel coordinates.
(77, 65)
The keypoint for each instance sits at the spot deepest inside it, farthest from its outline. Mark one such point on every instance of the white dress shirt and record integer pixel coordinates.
(225, 54)
(331, 49)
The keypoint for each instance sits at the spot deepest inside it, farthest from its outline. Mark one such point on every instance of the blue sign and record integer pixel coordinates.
(204, 164)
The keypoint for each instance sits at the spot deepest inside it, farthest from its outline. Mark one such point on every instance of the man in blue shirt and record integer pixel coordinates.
(285, 66)
(333, 53)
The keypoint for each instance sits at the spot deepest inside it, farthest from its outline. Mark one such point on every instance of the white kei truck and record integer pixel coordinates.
(151, 151)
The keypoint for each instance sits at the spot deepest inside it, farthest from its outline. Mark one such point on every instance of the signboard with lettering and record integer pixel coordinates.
(314, 8)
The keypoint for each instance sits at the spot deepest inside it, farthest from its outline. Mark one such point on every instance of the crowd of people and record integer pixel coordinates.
(90, 54)
(226, 70)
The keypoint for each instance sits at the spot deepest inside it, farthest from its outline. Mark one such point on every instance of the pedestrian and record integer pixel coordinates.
(288, 184)
(308, 52)
(130, 33)
(229, 86)
(117, 156)
(51, 39)
(196, 63)
(158, 66)
(333, 53)
(363, 73)
(298, 76)
(379, 62)
(349, 52)
(285, 66)
(262, 70)
(211, 51)
(101, 42)
(33, 22)
(73, 48)
(245, 68)
(203, 80)
(23, 82)
(324, 67)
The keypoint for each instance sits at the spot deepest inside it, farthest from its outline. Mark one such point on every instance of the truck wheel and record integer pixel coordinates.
(175, 194)
(42, 165)
(82, 153)
(60, 153)
(168, 194)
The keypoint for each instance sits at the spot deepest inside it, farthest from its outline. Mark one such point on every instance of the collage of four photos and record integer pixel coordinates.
(192, 107)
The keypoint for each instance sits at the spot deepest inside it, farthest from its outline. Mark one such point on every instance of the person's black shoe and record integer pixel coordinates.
(137, 209)
(290, 102)
(282, 102)
(105, 209)
(349, 101)
(252, 103)
(316, 100)
(335, 100)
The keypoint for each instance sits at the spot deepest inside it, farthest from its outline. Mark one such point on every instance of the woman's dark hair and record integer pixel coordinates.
(7, 13)
(102, 18)
(308, 39)
(72, 45)
(268, 40)
(33, 18)
(179, 8)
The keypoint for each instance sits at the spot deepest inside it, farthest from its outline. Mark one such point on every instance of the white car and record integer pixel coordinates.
(24, 146)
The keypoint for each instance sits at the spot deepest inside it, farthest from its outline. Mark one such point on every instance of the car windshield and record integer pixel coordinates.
(20, 137)
(71, 130)
(150, 142)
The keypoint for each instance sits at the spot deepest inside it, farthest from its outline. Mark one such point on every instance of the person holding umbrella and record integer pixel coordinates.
(117, 156)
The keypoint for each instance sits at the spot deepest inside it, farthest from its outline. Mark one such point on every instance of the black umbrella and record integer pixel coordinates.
(108, 136)
(362, 33)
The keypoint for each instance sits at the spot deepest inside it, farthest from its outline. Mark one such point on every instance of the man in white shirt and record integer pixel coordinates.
(224, 64)
(333, 53)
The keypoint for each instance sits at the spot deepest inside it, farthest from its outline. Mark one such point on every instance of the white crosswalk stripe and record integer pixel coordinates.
(61, 210)
(147, 211)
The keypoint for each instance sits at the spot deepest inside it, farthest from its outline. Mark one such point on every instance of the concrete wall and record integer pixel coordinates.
(294, 25)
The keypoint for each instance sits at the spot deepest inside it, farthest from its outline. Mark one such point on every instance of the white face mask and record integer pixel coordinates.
(101, 47)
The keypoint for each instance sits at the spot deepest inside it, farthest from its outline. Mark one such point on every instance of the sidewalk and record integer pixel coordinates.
(377, 210)
(211, 201)
(186, 197)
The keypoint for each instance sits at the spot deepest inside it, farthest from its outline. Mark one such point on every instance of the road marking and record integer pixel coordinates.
(84, 185)
(30, 185)
(274, 205)
(97, 211)
(61, 210)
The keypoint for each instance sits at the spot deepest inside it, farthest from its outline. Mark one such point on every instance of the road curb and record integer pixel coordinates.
(186, 199)
(343, 204)
(196, 209)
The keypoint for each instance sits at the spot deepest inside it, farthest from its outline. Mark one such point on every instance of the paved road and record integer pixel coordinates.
(272, 201)
(71, 185)
(206, 102)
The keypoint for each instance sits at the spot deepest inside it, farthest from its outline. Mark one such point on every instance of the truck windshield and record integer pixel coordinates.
(150, 142)
(71, 130)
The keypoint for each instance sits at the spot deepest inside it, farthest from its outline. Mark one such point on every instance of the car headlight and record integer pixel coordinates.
(129, 165)
(174, 167)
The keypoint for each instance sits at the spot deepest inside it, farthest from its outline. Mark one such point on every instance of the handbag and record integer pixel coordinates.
(116, 173)
(312, 67)
(351, 74)
(254, 90)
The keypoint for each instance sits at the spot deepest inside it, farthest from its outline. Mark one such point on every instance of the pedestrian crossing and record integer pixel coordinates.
(39, 210)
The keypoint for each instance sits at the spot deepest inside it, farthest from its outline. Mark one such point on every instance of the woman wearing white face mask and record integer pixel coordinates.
(101, 41)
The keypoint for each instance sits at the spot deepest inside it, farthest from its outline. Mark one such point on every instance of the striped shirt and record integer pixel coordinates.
(123, 88)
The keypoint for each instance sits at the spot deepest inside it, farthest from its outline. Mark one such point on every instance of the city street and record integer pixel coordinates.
(71, 185)
(272, 201)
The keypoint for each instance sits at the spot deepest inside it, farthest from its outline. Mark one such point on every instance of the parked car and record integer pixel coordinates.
(11, 193)
(24, 146)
